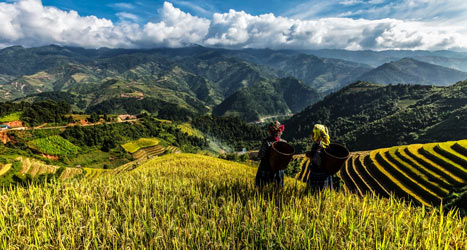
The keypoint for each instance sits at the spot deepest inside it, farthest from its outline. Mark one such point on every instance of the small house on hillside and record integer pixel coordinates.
(125, 117)
(14, 124)
(4, 127)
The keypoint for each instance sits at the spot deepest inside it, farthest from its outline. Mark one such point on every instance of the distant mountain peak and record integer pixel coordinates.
(411, 71)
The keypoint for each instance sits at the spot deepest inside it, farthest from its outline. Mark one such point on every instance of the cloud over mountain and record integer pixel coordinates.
(30, 23)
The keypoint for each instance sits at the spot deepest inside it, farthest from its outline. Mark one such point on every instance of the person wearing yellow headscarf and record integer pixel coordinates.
(321, 135)
(318, 178)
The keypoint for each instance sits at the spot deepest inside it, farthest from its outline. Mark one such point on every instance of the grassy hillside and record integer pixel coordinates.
(203, 202)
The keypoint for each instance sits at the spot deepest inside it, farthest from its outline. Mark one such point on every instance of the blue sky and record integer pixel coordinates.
(292, 24)
(147, 10)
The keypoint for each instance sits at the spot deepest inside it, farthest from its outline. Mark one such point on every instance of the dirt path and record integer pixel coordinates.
(66, 126)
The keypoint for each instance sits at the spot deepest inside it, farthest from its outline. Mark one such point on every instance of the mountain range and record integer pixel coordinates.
(410, 71)
(445, 58)
(250, 83)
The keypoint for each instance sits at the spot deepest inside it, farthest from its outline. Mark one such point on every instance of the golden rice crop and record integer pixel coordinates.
(69, 173)
(4, 168)
(358, 171)
(416, 165)
(183, 201)
(94, 172)
(393, 178)
(414, 148)
(383, 188)
(413, 168)
(429, 147)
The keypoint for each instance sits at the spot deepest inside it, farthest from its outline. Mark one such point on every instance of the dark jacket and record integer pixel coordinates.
(318, 178)
(265, 174)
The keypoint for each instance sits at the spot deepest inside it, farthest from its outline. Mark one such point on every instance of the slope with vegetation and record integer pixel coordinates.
(366, 116)
(230, 132)
(54, 145)
(281, 97)
(209, 203)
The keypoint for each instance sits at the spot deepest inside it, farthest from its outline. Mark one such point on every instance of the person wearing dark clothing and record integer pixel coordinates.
(265, 174)
(318, 177)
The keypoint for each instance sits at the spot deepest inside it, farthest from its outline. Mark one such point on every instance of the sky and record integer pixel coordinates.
(275, 24)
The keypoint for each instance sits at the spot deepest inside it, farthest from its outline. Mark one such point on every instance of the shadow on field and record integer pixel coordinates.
(241, 191)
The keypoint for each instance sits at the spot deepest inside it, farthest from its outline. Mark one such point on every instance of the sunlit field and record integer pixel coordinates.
(193, 201)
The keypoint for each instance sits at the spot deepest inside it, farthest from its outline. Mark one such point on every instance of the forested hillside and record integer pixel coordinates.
(269, 98)
(367, 116)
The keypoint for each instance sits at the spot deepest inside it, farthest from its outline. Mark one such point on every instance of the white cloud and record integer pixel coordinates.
(125, 16)
(29, 23)
(128, 6)
(176, 29)
(354, 2)
(351, 2)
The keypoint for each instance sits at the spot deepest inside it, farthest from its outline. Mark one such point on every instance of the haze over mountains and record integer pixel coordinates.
(410, 71)
(250, 83)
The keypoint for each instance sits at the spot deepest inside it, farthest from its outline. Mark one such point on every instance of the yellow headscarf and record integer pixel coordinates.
(321, 133)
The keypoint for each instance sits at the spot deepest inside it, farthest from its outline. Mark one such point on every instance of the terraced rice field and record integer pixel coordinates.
(95, 172)
(172, 149)
(421, 173)
(70, 173)
(154, 151)
(149, 152)
(35, 167)
(129, 166)
(139, 144)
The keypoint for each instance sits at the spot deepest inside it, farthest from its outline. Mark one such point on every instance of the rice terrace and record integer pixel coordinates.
(233, 124)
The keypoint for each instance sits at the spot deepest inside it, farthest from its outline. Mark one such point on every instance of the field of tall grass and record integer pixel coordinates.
(184, 201)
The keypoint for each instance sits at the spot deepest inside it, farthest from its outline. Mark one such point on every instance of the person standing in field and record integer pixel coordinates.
(318, 178)
(265, 174)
